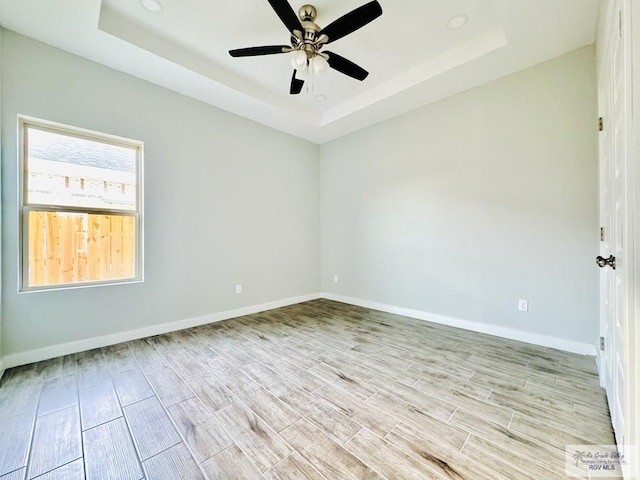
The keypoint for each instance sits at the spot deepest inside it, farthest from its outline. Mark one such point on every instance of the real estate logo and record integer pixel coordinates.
(597, 461)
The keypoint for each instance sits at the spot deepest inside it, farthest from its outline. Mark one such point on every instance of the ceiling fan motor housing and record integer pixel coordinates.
(308, 14)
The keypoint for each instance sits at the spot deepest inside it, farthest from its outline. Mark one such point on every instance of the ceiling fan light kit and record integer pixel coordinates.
(308, 39)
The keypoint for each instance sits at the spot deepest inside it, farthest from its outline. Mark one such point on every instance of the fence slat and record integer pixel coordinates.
(116, 247)
(128, 247)
(52, 270)
(36, 246)
(104, 248)
(79, 248)
(93, 236)
(66, 248)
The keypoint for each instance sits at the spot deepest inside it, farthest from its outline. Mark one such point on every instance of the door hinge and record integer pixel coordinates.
(600, 124)
(602, 234)
(620, 23)
(602, 344)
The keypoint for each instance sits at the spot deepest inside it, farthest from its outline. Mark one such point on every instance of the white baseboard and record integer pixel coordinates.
(498, 331)
(23, 358)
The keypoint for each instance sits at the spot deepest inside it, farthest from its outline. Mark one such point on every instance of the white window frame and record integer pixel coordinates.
(25, 122)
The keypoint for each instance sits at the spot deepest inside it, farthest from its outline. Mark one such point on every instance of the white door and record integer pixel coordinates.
(615, 152)
(607, 301)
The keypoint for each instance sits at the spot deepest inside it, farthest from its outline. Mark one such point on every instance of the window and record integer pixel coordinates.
(80, 207)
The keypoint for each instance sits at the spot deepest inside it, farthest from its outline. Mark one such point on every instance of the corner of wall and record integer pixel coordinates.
(572, 346)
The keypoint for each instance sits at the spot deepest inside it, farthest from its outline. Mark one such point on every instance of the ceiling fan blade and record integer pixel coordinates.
(286, 14)
(352, 21)
(345, 66)
(296, 85)
(255, 51)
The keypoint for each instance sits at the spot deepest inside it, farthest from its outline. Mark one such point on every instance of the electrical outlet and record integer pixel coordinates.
(238, 289)
(523, 305)
(335, 279)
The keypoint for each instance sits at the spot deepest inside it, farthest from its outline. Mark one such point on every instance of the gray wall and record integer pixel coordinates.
(459, 208)
(227, 201)
(465, 206)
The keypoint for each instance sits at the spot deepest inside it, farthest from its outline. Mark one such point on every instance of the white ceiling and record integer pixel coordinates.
(412, 57)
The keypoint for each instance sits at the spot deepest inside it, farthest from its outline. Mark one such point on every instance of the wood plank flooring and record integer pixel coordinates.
(316, 391)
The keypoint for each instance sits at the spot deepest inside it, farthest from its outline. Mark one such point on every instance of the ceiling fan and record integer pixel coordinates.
(308, 39)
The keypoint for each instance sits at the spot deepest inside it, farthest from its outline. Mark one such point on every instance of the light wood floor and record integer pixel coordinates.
(320, 390)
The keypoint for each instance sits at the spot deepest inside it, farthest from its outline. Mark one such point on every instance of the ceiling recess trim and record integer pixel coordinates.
(484, 44)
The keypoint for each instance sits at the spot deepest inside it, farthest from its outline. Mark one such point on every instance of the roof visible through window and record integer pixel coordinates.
(68, 149)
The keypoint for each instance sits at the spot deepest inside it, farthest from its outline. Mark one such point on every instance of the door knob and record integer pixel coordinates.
(603, 262)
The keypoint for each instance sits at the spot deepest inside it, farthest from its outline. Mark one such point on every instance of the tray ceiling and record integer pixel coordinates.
(411, 54)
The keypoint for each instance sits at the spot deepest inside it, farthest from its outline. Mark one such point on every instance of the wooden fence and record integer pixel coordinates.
(73, 247)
